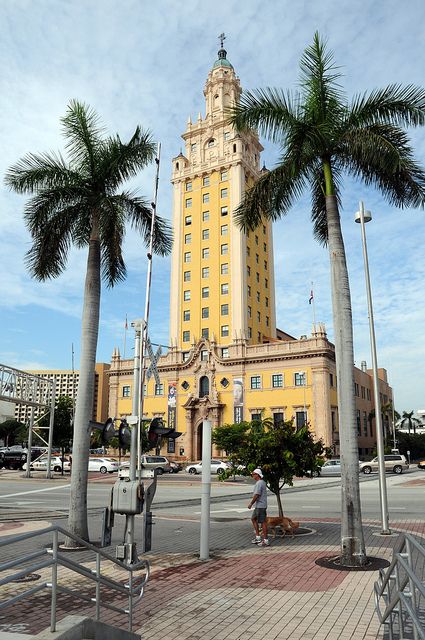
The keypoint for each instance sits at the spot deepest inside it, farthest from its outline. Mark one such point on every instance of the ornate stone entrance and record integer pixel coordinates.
(197, 410)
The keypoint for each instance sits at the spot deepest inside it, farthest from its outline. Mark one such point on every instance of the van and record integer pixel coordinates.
(160, 463)
(394, 462)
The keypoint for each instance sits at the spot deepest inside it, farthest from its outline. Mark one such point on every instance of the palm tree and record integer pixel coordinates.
(322, 137)
(407, 420)
(78, 202)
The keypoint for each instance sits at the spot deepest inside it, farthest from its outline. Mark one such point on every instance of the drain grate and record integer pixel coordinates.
(30, 577)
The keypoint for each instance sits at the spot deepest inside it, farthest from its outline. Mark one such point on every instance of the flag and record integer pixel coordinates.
(310, 300)
(126, 323)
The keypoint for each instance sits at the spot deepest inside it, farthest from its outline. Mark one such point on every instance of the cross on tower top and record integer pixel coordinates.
(222, 38)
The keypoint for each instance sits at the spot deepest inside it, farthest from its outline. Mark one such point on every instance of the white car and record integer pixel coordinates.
(104, 465)
(55, 464)
(217, 466)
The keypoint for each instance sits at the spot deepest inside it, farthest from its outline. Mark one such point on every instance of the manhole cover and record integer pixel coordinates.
(30, 577)
(333, 562)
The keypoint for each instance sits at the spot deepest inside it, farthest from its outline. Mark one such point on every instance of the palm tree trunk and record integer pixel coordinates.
(352, 542)
(77, 519)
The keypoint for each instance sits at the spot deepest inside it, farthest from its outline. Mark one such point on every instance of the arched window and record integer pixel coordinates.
(204, 386)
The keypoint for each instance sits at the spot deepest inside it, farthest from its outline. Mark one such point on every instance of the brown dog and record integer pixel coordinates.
(285, 524)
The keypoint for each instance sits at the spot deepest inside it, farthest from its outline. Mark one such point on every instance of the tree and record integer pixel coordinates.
(13, 432)
(407, 420)
(281, 451)
(62, 425)
(79, 202)
(322, 137)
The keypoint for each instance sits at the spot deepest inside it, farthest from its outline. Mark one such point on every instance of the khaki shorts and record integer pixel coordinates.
(259, 515)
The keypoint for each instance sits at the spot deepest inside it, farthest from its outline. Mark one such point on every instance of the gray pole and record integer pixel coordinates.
(205, 491)
(50, 437)
(29, 444)
(378, 420)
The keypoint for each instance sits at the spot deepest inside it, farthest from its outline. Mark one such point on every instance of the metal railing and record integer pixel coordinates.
(53, 558)
(401, 592)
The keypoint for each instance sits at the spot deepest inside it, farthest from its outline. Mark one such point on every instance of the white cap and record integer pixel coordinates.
(258, 472)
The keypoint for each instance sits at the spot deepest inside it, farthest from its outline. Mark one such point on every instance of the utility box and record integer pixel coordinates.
(127, 497)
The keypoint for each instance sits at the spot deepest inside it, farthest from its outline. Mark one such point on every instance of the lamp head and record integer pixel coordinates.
(367, 216)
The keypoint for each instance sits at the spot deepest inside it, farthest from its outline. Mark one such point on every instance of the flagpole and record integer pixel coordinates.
(313, 308)
(125, 336)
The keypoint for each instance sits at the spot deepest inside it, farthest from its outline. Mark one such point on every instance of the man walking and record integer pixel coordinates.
(259, 499)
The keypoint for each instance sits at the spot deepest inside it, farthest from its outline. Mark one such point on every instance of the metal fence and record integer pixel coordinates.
(400, 592)
(53, 557)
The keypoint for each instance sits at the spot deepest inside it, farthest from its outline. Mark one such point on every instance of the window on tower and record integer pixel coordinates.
(186, 336)
(299, 379)
(255, 382)
(188, 238)
(249, 290)
(205, 272)
(224, 230)
(206, 198)
(249, 311)
(265, 247)
(256, 239)
(227, 135)
(186, 295)
(206, 181)
(224, 249)
(224, 288)
(248, 251)
(205, 216)
(206, 253)
(265, 265)
(224, 309)
(264, 229)
(266, 283)
(224, 330)
(205, 333)
(210, 143)
(186, 276)
(204, 355)
(224, 354)
(257, 275)
(188, 203)
(258, 296)
(188, 220)
(224, 269)
(126, 391)
(205, 234)
(205, 312)
(248, 270)
(249, 332)
(224, 176)
(189, 186)
(187, 256)
(224, 211)
(258, 316)
(186, 315)
(257, 258)
(205, 292)
(267, 321)
(267, 302)
(193, 147)
(223, 193)
(277, 380)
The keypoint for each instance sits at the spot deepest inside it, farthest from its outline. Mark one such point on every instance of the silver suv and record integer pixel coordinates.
(394, 462)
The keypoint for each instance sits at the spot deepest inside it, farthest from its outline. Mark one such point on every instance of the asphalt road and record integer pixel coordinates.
(181, 493)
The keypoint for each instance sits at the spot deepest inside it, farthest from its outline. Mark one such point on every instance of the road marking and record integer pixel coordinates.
(224, 511)
(24, 493)
(310, 506)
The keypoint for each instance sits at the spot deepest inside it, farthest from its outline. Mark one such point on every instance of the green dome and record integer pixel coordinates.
(222, 60)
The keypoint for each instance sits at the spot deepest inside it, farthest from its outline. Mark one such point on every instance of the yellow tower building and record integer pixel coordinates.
(227, 362)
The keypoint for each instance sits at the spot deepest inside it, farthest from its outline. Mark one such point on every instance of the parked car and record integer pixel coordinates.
(421, 464)
(159, 463)
(104, 465)
(40, 464)
(394, 462)
(15, 457)
(330, 468)
(217, 466)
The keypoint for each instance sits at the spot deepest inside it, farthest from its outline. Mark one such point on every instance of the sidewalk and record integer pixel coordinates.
(243, 591)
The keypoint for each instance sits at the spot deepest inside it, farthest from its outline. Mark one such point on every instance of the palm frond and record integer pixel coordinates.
(36, 172)
(270, 111)
(270, 197)
(65, 202)
(112, 231)
(395, 104)
(82, 129)
(319, 76)
(381, 156)
(48, 255)
(139, 214)
(120, 161)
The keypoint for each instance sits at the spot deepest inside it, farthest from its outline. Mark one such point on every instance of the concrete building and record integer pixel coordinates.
(227, 361)
(67, 385)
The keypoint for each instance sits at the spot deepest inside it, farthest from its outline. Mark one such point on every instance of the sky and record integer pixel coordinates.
(140, 62)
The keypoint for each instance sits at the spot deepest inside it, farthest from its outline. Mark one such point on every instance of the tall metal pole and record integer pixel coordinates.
(50, 437)
(29, 444)
(378, 419)
(205, 491)
(141, 328)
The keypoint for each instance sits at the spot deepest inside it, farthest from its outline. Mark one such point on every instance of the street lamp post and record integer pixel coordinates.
(362, 217)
